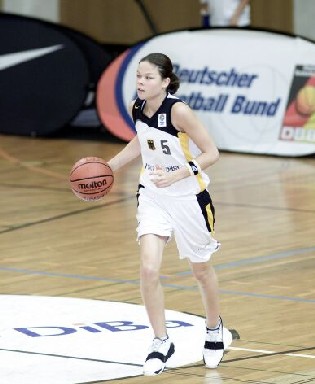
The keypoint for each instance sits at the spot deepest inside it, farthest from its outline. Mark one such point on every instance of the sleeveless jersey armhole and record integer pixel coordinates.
(174, 101)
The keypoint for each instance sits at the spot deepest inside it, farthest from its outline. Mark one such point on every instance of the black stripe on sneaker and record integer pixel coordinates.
(160, 356)
(215, 346)
(171, 350)
(157, 355)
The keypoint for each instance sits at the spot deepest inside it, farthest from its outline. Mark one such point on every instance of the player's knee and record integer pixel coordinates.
(149, 272)
(200, 272)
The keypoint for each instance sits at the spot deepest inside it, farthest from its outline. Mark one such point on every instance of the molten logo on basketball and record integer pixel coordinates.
(91, 178)
(93, 185)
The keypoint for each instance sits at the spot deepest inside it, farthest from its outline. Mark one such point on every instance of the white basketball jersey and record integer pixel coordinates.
(164, 147)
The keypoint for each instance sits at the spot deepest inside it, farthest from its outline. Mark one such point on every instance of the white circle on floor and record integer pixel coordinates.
(69, 340)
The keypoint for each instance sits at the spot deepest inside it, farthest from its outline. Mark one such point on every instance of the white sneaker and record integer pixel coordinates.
(159, 352)
(216, 342)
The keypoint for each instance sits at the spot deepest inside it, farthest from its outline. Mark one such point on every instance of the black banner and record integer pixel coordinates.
(44, 76)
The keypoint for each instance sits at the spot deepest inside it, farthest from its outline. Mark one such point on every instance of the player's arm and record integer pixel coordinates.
(185, 120)
(130, 152)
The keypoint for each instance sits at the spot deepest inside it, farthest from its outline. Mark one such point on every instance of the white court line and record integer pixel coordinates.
(300, 355)
(271, 352)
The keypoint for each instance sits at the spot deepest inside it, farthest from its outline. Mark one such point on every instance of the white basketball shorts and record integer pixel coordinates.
(189, 218)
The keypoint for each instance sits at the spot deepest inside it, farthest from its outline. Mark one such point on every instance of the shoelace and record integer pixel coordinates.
(213, 335)
(156, 344)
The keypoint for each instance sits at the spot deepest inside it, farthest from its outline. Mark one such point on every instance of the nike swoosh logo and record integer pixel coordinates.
(12, 59)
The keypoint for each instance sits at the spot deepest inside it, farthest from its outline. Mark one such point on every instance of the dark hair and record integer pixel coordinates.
(165, 68)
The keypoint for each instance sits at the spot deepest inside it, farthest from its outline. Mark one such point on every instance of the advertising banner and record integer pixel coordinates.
(48, 76)
(44, 76)
(242, 84)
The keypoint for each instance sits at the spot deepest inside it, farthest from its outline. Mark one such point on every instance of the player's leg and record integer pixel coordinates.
(208, 285)
(217, 338)
(151, 250)
(193, 233)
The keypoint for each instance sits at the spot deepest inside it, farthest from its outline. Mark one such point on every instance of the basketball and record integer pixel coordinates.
(91, 178)
(305, 101)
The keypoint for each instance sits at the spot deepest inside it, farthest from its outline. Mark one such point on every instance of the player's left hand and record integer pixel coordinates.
(162, 179)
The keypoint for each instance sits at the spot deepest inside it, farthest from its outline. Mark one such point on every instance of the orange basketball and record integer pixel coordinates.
(91, 178)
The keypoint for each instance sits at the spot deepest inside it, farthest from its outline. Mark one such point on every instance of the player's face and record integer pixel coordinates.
(149, 81)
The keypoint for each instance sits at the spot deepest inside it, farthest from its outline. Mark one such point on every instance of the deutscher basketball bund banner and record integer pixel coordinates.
(237, 81)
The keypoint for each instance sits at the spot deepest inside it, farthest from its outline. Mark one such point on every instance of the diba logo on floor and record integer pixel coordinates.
(111, 326)
(71, 340)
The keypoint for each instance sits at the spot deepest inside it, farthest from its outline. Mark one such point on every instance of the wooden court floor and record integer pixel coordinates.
(265, 220)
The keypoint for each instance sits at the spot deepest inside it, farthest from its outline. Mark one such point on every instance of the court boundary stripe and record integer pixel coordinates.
(258, 259)
(263, 353)
(266, 353)
(70, 357)
(62, 216)
(239, 380)
(227, 204)
(30, 187)
(136, 282)
(68, 275)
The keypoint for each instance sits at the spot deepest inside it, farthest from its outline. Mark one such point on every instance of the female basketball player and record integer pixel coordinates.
(172, 199)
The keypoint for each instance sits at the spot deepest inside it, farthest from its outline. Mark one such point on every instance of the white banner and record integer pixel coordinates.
(244, 85)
